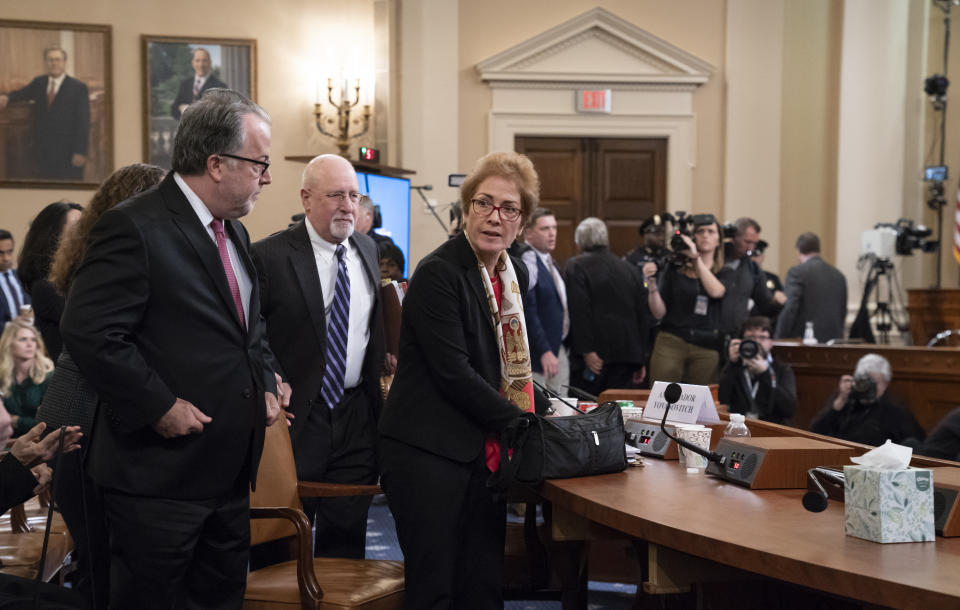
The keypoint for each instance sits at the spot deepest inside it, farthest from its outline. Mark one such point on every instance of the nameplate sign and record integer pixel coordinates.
(695, 406)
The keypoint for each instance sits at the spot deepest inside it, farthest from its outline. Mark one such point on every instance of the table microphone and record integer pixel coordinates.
(672, 395)
(553, 394)
(815, 501)
(581, 394)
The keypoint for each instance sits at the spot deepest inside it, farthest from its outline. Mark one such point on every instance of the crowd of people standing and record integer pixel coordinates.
(190, 340)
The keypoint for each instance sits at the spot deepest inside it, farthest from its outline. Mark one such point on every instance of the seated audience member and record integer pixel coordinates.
(54, 223)
(944, 440)
(759, 387)
(24, 373)
(609, 319)
(651, 248)
(816, 292)
(548, 318)
(744, 281)
(687, 301)
(23, 473)
(860, 410)
(391, 262)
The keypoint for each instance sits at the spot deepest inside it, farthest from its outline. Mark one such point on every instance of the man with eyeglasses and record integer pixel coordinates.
(163, 319)
(752, 382)
(320, 282)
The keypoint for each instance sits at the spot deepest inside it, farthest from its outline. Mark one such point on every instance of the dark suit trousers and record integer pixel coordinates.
(175, 554)
(339, 446)
(451, 528)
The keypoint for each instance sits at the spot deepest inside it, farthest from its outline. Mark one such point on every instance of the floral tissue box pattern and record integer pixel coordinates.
(888, 505)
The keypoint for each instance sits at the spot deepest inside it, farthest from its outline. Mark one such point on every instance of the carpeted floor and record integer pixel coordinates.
(382, 544)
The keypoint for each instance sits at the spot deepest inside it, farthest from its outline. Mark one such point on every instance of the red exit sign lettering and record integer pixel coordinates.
(594, 100)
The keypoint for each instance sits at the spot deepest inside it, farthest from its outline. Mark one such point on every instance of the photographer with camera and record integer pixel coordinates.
(652, 247)
(687, 300)
(860, 411)
(744, 280)
(752, 382)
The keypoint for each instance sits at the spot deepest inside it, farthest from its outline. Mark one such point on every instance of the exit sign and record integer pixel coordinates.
(593, 100)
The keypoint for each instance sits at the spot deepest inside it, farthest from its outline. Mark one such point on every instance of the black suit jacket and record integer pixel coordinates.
(445, 397)
(185, 92)
(608, 307)
(817, 292)
(776, 398)
(149, 319)
(5, 307)
(296, 323)
(60, 130)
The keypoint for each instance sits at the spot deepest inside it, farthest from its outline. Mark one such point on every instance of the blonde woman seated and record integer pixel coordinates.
(24, 372)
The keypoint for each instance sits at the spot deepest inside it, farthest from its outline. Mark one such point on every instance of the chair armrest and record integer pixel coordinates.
(306, 577)
(310, 489)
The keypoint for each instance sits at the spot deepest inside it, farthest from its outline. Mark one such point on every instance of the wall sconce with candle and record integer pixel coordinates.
(341, 134)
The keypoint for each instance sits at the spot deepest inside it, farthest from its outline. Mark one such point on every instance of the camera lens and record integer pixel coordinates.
(864, 389)
(749, 349)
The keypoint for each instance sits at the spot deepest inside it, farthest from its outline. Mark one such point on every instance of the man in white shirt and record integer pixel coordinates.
(546, 312)
(321, 301)
(12, 295)
(192, 87)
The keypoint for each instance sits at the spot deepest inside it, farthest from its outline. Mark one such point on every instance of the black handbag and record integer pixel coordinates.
(69, 399)
(561, 447)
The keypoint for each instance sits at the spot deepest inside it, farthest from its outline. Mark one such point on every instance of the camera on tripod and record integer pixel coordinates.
(902, 238)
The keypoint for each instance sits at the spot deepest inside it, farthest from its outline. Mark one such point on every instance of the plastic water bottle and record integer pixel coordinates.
(808, 337)
(736, 427)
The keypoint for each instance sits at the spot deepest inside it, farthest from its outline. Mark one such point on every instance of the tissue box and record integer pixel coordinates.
(888, 505)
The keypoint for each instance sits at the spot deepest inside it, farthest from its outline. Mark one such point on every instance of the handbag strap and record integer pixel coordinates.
(513, 437)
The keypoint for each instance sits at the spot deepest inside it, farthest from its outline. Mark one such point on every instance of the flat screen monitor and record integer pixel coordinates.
(393, 197)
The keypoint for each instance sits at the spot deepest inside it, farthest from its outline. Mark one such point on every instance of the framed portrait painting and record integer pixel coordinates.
(177, 71)
(56, 113)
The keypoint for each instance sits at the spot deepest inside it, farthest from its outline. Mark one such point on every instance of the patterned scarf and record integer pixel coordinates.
(516, 376)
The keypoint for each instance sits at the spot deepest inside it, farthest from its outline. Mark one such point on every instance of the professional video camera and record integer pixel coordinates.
(902, 238)
(684, 224)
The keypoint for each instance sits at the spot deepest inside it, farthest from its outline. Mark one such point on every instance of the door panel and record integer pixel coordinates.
(622, 181)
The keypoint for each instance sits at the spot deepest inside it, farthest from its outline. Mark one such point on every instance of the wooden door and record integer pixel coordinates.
(620, 180)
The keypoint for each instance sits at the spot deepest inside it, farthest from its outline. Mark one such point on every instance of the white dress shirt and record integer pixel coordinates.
(361, 299)
(239, 269)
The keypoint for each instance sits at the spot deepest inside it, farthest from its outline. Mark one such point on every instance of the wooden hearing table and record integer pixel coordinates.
(763, 532)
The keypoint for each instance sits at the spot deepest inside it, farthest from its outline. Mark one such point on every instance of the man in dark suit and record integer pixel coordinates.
(163, 319)
(61, 125)
(816, 292)
(609, 315)
(12, 294)
(548, 320)
(744, 281)
(335, 404)
(759, 387)
(192, 88)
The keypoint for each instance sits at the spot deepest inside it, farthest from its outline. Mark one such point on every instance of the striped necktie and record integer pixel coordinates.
(338, 323)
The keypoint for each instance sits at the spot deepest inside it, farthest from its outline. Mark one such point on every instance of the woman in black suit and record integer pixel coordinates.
(464, 374)
(54, 223)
